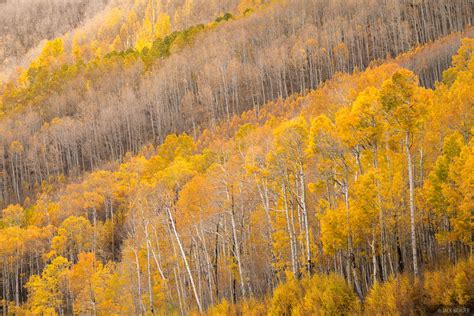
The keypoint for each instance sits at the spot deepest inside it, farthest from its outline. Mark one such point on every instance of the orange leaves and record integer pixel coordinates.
(461, 61)
(89, 281)
(198, 201)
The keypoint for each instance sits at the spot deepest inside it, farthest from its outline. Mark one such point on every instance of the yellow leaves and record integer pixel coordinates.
(365, 208)
(13, 215)
(177, 173)
(117, 44)
(162, 26)
(461, 61)
(244, 131)
(78, 42)
(290, 140)
(363, 123)
(452, 145)
(291, 133)
(58, 244)
(96, 50)
(46, 291)
(149, 32)
(74, 235)
(132, 21)
(93, 287)
(153, 166)
(398, 296)
(177, 146)
(51, 54)
(334, 230)
(286, 297)
(321, 129)
(51, 214)
(403, 101)
(256, 143)
(462, 193)
(175, 163)
(11, 240)
(111, 21)
(452, 285)
(448, 191)
(201, 162)
(454, 102)
(319, 295)
(328, 295)
(84, 268)
(16, 147)
(22, 78)
(93, 200)
(159, 292)
(15, 241)
(199, 189)
(221, 309)
(143, 43)
(399, 89)
(87, 278)
(53, 48)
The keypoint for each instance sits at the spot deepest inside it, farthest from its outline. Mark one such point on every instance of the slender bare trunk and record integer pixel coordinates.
(139, 282)
(148, 258)
(412, 204)
(290, 231)
(309, 263)
(230, 196)
(185, 260)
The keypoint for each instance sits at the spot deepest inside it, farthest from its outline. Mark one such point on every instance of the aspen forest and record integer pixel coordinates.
(236, 157)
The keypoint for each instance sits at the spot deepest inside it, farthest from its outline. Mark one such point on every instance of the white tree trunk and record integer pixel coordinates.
(305, 218)
(412, 203)
(185, 260)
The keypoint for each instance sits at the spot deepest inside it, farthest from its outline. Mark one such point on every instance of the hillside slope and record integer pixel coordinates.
(25, 23)
(89, 100)
(321, 199)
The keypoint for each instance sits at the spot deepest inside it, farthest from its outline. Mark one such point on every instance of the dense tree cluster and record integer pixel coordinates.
(25, 23)
(87, 100)
(348, 199)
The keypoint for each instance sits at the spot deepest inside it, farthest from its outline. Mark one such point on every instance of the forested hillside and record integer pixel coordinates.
(300, 157)
(84, 103)
(26, 23)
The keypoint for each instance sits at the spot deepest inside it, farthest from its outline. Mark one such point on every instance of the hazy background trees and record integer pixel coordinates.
(26, 23)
